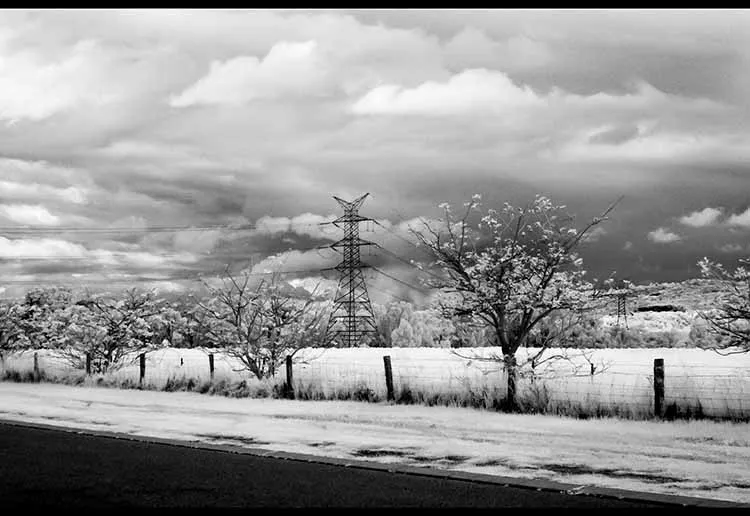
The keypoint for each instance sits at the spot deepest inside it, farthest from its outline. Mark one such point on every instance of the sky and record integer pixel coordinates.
(155, 147)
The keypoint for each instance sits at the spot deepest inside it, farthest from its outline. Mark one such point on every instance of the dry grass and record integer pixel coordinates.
(628, 394)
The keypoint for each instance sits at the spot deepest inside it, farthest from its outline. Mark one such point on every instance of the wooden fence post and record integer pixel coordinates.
(143, 369)
(36, 366)
(211, 365)
(289, 377)
(389, 377)
(88, 363)
(658, 386)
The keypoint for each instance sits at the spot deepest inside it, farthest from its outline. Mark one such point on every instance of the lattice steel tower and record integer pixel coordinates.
(622, 294)
(352, 315)
(622, 309)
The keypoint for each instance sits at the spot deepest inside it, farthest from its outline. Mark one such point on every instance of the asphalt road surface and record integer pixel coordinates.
(46, 468)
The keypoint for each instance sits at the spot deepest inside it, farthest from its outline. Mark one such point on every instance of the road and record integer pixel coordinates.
(42, 467)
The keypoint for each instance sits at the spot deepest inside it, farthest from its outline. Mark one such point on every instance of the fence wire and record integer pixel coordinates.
(719, 394)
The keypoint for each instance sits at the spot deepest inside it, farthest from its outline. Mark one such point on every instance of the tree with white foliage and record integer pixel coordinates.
(35, 316)
(509, 271)
(729, 322)
(403, 336)
(113, 330)
(12, 337)
(387, 319)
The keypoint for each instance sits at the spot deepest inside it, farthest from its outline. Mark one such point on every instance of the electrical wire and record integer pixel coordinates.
(15, 230)
(399, 280)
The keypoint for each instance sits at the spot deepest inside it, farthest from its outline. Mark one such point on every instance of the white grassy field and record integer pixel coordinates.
(693, 458)
(624, 377)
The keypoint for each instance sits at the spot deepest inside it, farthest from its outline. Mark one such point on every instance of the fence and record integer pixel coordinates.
(646, 382)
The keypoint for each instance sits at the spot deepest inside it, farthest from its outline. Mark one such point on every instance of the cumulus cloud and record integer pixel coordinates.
(594, 235)
(663, 236)
(35, 191)
(289, 68)
(30, 215)
(40, 247)
(50, 255)
(443, 106)
(740, 219)
(731, 248)
(309, 224)
(471, 91)
(556, 126)
(473, 48)
(34, 88)
(665, 146)
(196, 241)
(309, 262)
(705, 217)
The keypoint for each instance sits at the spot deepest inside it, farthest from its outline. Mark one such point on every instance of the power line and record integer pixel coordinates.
(394, 296)
(15, 230)
(397, 235)
(210, 254)
(407, 262)
(400, 281)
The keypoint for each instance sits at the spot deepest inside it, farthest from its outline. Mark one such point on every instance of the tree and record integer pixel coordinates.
(431, 329)
(387, 319)
(12, 337)
(403, 336)
(36, 319)
(260, 323)
(509, 271)
(193, 327)
(110, 329)
(729, 322)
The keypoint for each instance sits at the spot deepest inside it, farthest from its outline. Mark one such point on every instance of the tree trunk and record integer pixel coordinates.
(509, 360)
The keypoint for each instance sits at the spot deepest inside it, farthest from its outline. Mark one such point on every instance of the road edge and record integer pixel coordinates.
(482, 478)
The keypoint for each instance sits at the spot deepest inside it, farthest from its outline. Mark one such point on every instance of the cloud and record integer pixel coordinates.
(35, 191)
(510, 105)
(628, 246)
(472, 48)
(497, 117)
(30, 215)
(308, 224)
(594, 235)
(40, 247)
(196, 241)
(665, 146)
(663, 236)
(731, 248)
(308, 262)
(289, 68)
(740, 219)
(51, 256)
(615, 135)
(34, 88)
(471, 91)
(705, 217)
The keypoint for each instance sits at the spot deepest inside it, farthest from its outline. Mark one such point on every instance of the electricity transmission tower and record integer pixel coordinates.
(352, 315)
(621, 309)
(622, 294)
